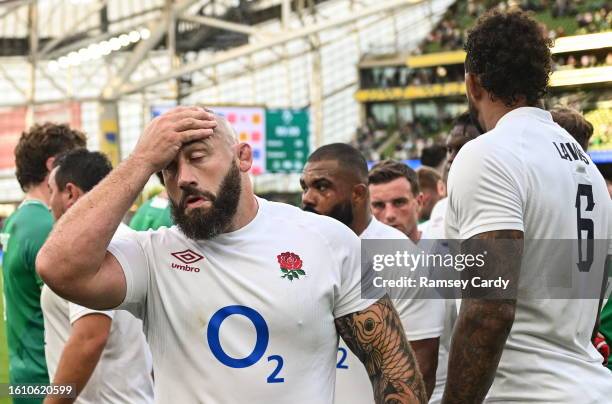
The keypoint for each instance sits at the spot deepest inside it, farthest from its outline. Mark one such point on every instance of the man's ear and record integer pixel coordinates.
(441, 188)
(420, 199)
(474, 89)
(49, 163)
(73, 193)
(360, 193)
(245, 157)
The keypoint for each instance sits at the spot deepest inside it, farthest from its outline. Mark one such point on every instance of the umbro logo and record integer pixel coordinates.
(186, 257)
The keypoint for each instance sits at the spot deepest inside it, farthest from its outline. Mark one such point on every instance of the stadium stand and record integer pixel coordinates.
(410, 100)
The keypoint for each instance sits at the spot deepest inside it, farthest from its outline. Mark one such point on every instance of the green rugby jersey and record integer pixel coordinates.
(152, 214)
(23, 234)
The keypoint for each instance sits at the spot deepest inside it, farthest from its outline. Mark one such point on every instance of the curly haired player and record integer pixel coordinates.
(23, 234)
(523, 348)
(227, 319)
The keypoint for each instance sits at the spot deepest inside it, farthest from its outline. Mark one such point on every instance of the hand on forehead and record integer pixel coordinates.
(223, 135)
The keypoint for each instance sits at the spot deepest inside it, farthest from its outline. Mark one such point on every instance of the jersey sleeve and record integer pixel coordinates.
(346, 249)
(129, 251)
(484, 191)
(422, 318)
(76, 312)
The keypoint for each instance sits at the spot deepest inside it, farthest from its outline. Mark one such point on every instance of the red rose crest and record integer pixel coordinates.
(290, 265)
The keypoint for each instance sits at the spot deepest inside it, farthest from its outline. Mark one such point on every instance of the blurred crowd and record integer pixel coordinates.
(369, 138)
(450, 33)
(402, 76)
(409, 139)
(582, 60)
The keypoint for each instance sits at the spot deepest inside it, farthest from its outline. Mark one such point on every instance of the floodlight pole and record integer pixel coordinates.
(171, 46)
(33, 33)
(285, 14)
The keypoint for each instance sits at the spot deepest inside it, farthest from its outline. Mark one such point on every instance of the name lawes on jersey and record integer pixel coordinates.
(570, 151)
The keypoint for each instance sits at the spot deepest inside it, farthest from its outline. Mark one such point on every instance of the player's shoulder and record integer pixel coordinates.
(491, 143)
(285, 212)
(501, 147)
(475, 149)
(150, 238)
(379, 230)
(34, 213)
(308, 225)
(439, 209)
(32, 221)
(124, 231)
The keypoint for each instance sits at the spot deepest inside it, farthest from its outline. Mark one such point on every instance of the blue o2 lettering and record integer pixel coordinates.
(261, 342)
(261, 329)
(343, 354)
(279, 365)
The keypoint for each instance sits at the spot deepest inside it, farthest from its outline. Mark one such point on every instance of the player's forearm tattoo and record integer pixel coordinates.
(377, 337)
(484, 324)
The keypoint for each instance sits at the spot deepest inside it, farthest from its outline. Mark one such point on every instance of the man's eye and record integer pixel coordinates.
(322, 188)
(377, 205)
(197, 156)
(399, 203)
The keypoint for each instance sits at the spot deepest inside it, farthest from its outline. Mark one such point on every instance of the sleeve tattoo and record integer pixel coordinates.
(377, 337)
(484, 323)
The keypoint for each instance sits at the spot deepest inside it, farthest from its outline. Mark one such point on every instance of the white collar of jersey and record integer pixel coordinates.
(538, 113)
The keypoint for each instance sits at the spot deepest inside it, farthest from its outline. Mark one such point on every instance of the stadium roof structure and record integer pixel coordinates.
(60, 35)
(143, 53)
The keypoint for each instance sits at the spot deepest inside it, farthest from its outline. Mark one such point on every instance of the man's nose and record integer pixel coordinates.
(389, 214)
(185, 175)
(308, 198)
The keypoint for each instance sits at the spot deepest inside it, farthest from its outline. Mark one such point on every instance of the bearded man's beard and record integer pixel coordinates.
(342, 212)
(204, 224)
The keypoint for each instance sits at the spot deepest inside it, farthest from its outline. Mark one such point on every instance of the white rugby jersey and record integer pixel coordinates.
(247, 317)
(435, 231)
(435, 226)
(422, 319)
(123, 372)
(529, 174)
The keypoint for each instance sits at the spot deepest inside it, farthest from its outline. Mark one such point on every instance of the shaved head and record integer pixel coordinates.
(225, 130)
(350, 162)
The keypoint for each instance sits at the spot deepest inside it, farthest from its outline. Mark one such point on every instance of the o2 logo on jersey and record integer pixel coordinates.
(261, 343)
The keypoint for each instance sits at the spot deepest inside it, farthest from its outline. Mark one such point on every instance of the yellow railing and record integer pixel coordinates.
(579, 43)
(589, 75)
(561, 78)
(410, 92)
(436, 59)
(575, 43)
